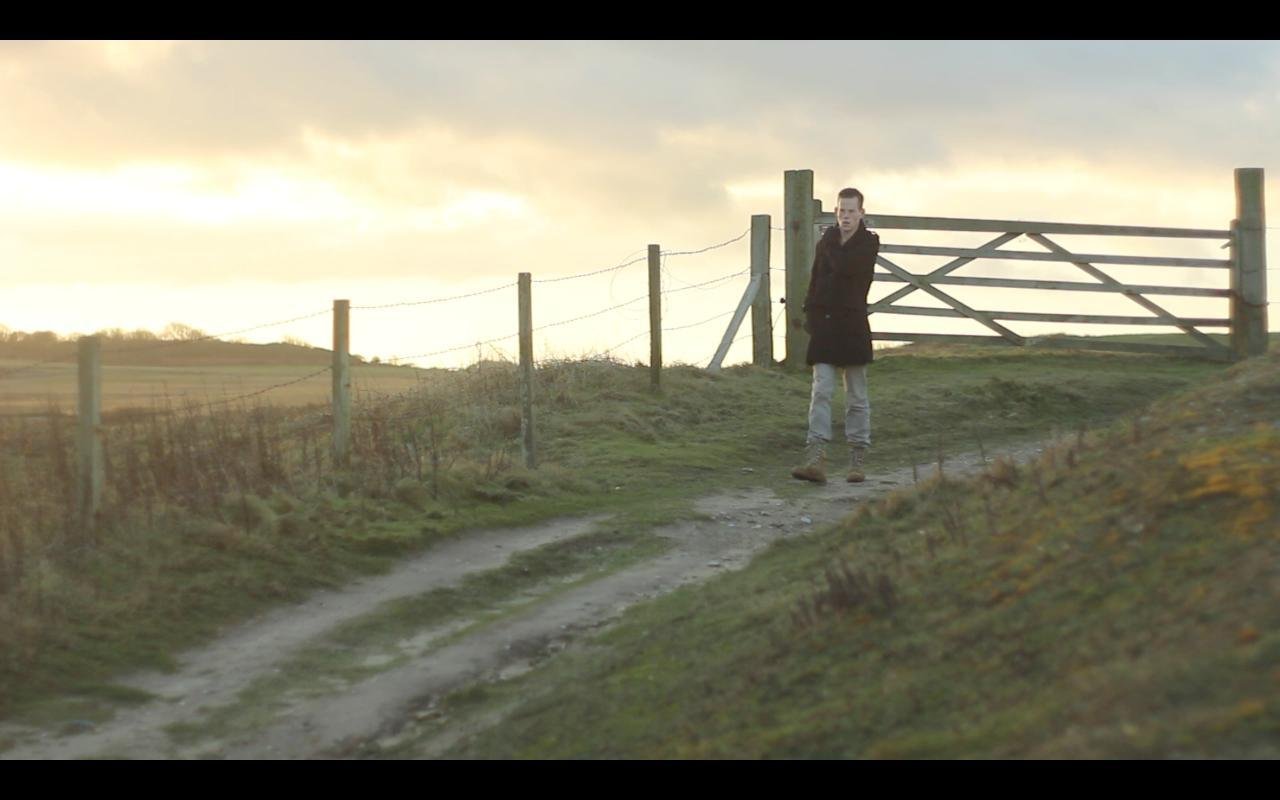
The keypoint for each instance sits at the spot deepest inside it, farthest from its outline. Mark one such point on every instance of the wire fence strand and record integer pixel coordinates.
(708, 247)
(455, 349)
(594, 272)
(707, 360)
(192, 407)
(666, 330)
(437, 299)
(579, 318)
(15, 370)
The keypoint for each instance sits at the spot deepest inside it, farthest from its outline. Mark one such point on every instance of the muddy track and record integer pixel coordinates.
(326, 724)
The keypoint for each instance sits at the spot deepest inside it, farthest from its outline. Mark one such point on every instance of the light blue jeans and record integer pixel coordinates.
(857, 406)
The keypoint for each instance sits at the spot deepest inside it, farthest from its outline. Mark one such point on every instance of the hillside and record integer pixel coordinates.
(1117, 597)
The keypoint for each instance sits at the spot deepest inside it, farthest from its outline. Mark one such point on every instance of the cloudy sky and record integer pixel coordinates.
(226, 184)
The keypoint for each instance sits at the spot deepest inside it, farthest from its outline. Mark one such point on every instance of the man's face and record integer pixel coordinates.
(848, 213)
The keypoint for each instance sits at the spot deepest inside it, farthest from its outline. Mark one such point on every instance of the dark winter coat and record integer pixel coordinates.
(836, 305)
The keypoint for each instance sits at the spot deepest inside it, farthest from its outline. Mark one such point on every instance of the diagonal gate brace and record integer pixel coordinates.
(951, 266)
(1169, 318)
(748, 297)
(922, 282)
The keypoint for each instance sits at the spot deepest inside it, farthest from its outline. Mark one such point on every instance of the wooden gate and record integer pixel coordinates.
(1247, 320)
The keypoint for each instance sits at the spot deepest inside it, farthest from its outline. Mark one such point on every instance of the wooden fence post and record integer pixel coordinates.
(798, 221)
(526, 370)
(90, 473)
(341, 383)
(655, 317)
(1236, 334)
(1249, 267)
(761, 321)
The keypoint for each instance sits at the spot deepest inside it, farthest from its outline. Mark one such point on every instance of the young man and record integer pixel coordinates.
(836, 320)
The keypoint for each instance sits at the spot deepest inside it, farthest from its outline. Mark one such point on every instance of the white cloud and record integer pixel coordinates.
(129, 57)
(197, 162)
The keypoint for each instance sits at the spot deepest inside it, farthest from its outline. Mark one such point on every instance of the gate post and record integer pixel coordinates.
(798, 220)
(1249, 266)
(761, 322)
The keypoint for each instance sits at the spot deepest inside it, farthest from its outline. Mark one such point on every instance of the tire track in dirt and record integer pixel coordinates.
(214, 674)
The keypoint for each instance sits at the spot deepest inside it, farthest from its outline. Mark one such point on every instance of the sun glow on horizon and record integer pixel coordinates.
(256, 196)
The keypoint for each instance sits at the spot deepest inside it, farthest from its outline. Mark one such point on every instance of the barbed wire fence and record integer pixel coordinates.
(367, 385)
(379, 405)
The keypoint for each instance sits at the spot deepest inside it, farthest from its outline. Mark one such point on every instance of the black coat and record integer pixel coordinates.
(836, 305)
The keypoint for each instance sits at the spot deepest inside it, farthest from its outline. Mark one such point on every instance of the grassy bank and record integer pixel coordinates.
(1114, 598)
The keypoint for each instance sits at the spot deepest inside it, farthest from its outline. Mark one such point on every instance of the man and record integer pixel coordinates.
(836, 320)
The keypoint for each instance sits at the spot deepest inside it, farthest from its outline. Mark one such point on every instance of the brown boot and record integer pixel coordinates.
(815, 463)
(857, 460)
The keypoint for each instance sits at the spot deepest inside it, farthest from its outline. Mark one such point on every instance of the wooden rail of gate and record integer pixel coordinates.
(1247, 321)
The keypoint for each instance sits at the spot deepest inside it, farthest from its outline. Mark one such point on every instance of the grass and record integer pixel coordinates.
(1114, 598)
(214, 517)
(1178, 338)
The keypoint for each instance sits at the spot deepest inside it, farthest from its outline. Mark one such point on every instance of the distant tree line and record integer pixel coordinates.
(42, 345)
(174, 331)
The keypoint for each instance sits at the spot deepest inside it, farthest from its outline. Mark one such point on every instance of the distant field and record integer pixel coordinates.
(142, 386)
(33, 391)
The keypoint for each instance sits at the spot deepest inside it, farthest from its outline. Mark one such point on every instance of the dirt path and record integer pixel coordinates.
(328, 724)
(214, 674)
